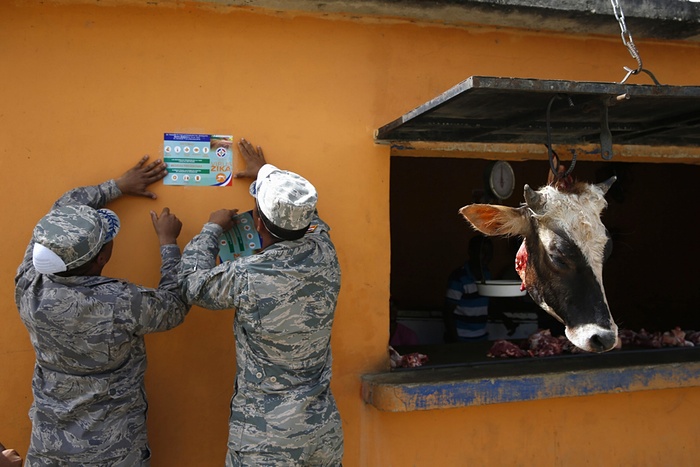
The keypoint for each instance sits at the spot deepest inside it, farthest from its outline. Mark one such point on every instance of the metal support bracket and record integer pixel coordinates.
(605, 135)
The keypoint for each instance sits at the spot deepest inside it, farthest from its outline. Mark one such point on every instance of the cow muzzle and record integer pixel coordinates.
(592, 337)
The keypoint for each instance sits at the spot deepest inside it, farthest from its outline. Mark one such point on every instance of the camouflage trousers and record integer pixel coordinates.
(326, 450)
(133, 459)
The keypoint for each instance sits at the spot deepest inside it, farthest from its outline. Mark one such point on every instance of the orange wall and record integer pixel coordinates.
(87, 89)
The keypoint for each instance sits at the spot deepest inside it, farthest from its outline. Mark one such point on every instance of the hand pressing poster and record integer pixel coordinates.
(198, 160)
(241, 240)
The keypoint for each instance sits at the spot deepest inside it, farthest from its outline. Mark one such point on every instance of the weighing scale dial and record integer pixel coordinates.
(502, 180)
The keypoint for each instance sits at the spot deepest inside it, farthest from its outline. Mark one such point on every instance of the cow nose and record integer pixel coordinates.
(603, 340)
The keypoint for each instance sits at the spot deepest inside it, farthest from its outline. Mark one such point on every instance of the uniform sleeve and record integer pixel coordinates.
(96, 196)
(162, 308)
(318, 226)
(203, 282)
(25, 273)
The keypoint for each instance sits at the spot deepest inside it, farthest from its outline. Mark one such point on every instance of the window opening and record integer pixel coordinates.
(648, 278)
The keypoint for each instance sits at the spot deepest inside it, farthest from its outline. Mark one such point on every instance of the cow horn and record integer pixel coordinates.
(605, 186)
(534, 200)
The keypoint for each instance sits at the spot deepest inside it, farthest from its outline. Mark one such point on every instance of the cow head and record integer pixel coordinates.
(561, 257)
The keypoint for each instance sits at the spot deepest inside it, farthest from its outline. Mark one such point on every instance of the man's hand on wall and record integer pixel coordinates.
(167, 226)
(253, 157)
(135, 181)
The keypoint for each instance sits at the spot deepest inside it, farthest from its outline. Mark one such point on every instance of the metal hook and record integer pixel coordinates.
(550, 152)
(631, 72)
(629, 43)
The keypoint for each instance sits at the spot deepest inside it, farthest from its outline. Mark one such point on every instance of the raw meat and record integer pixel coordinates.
(503, 348)
(410, 360)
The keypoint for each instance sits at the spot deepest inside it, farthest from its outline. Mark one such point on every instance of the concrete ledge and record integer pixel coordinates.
(405, 391)
(652, 19)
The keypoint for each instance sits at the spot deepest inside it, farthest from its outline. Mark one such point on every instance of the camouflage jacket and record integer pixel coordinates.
(285, 299)
(87, 331)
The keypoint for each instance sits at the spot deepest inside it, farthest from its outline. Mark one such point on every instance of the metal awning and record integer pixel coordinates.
(485, 109)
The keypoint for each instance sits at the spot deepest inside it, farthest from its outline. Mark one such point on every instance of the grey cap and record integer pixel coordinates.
(73, 235)
(286, 200)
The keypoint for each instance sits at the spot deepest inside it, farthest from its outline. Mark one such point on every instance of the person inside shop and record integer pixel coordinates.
(282, 410)
(466, 312)
(88, 330)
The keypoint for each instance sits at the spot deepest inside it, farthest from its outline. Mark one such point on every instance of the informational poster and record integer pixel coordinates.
(198, 160)
(241, 240)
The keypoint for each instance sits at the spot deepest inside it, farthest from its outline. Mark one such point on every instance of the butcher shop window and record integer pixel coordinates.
(650, 277)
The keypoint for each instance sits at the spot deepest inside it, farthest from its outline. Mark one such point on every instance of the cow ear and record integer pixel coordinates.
(492, 220)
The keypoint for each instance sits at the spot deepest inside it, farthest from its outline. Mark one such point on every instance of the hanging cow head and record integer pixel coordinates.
(560, 261)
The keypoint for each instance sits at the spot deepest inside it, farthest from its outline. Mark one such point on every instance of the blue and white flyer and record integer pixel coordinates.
(241, 240)
(198, 160)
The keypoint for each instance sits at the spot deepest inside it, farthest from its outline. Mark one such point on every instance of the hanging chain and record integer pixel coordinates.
(629, 43)
(626, 37)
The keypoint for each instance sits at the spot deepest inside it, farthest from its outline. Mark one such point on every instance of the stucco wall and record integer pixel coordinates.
(87, 89)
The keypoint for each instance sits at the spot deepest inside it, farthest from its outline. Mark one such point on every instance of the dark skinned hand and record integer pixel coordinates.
(9, 457)
(224, 218)
(167, 226)
(137, 179)
(253, 157)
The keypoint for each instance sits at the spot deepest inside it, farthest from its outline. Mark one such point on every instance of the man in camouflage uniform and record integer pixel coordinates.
(282, 411)
(87, 330)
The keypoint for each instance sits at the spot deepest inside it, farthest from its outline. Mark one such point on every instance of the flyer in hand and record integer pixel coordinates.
(241, 240)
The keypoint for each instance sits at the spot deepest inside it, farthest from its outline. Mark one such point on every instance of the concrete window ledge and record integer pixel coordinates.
(443, 388)
(648, 19)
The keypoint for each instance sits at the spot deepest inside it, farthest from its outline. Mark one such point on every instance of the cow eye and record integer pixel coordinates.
(560, 253)
(558, 258)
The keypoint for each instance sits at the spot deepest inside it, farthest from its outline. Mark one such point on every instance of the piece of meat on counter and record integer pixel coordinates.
(626, 336)
(506, 349)
(676, 337)
(411, 360)
(693, 336)
(543, 344)
(649, 340)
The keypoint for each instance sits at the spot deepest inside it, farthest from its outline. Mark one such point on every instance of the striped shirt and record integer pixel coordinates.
(471, 309)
